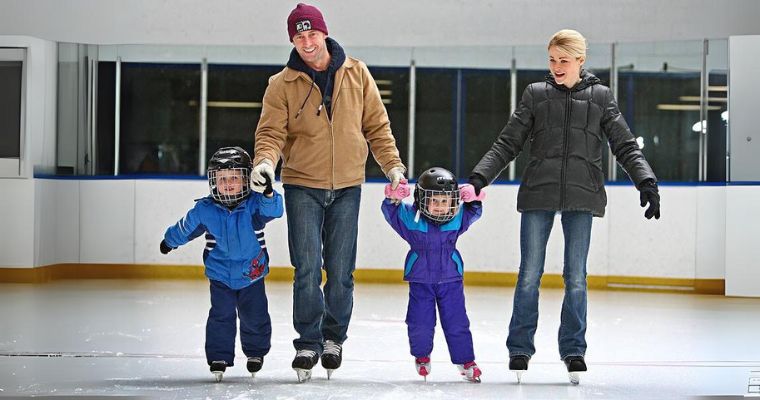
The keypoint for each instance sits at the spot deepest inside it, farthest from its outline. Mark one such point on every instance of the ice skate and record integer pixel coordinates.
(518, 364)
(423, 366)
(470, 371)
(575, 365)
(331, 357)
(254, 365)
(217, 368)
(303, 363)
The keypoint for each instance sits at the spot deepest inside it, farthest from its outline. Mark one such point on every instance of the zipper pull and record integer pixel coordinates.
(319, 110)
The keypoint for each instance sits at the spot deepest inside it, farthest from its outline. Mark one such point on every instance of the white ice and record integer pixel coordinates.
(145, 338)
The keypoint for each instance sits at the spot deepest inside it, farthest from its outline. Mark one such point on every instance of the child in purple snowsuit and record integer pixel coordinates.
(433, 266)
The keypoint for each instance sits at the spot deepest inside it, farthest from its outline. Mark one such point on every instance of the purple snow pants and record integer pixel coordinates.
(420, 319)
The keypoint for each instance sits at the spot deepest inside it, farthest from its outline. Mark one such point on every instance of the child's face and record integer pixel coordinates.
(439, 204)
(229, 181)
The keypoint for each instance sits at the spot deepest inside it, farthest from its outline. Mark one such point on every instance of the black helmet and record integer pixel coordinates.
(230, 158)
(437, 182)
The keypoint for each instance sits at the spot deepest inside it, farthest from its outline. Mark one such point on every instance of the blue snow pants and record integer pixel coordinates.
(248, 303)
(421, 317)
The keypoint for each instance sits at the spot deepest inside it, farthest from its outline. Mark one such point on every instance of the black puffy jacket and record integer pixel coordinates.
(567, 129)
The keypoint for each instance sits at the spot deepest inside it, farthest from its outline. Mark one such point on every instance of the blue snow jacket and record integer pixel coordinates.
(433, 257)
(235, 251)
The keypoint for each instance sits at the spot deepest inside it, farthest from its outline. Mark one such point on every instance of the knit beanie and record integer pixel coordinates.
(303, 18)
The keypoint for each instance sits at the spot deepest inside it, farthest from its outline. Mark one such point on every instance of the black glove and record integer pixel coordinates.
(267, 185)
(165, 249)
(648, 193)
(478, 182)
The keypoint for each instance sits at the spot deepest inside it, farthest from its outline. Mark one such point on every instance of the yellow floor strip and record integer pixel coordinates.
(285, 274)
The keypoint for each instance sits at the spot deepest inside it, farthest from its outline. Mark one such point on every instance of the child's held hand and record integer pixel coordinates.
(402, 191)
(467, 193)
(165, 249)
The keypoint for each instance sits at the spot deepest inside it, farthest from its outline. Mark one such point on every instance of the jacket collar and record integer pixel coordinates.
(337, 59)
(587, 79)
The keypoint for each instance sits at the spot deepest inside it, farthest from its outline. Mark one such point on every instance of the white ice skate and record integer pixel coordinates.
(217, 368)
(303, 363)
(423, 366)
(576, 365)
(470, 371)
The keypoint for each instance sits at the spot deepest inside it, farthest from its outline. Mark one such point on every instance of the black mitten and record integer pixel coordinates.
(165, 249)
(648, 193)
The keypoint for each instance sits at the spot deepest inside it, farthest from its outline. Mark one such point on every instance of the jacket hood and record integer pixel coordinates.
(587, 79)
(337, 58)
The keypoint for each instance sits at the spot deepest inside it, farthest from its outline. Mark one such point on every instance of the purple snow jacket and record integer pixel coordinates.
(433, 257)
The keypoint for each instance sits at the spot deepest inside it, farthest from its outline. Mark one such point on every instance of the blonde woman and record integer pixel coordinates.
(567, 118)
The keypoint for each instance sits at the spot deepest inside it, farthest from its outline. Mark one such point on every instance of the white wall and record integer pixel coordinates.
(377, 23)
(123, 221)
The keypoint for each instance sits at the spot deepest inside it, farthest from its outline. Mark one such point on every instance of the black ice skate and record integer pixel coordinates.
(575, 365)
(331, 357)
(217, 368)
(518, 364)
(254, 365)
(303, 363)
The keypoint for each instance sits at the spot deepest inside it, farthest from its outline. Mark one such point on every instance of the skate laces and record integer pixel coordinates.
(255, 359)
(331, 347)
(306, 353)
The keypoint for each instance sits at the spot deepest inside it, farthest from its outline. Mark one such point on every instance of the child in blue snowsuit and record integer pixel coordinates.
(434, 267)
(236, 260)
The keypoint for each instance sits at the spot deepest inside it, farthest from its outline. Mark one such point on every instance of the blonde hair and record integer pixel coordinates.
(569, 41)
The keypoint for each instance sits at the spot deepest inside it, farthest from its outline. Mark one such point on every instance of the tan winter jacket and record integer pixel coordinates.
(317, 152)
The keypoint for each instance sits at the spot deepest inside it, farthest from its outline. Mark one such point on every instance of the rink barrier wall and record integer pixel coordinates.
(56, 272)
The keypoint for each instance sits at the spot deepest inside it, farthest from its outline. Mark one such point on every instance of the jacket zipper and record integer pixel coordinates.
(563, 184)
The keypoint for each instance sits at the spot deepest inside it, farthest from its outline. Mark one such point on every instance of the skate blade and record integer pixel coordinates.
(519, 374)
(303, 374)
(253, 374)
(218, 376)
(329, 373)
(575, 377)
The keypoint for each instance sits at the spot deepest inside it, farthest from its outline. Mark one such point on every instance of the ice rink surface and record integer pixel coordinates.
(144, 339)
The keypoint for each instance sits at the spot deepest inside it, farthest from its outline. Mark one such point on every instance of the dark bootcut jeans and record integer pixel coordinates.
(322, 230)
(534, 235)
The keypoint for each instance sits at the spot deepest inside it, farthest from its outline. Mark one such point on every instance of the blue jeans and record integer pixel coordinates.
(534, 234)
(322, 229)
(250, 305)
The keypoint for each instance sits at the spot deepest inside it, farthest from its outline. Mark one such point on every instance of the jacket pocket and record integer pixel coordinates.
(410, 260)
(579, 174)
(257, 267)
(530, 171)
(458, 261)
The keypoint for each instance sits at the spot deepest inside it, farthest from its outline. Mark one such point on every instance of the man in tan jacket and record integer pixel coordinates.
(319, 115)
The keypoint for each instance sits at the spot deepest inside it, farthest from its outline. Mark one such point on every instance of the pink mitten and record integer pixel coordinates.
(402, 191)
(467, 193)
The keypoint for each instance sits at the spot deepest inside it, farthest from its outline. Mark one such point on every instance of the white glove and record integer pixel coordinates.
(395, 175)
(258, 182)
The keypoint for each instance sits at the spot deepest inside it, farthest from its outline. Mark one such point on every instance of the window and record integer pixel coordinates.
(11, 101)
(235, 94)
(393, 84)
(159, 118)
